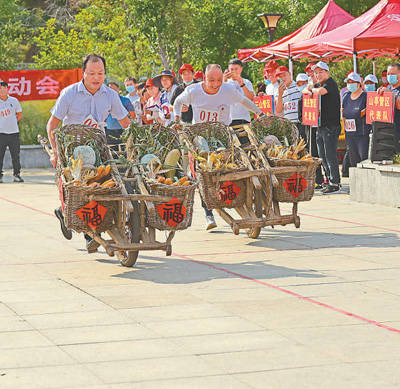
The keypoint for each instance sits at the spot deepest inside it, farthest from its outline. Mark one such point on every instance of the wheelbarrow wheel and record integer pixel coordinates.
(132, 232)
(254, 232)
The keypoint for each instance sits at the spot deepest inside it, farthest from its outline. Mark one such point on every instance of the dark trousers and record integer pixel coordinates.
(358, 148)
(237, 122)
(327, 142)
(313, 150)
(12, 142)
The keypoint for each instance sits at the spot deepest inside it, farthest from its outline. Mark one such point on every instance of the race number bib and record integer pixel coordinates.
(290, 106)
(350, 125)
(209, 116)
(91, 122)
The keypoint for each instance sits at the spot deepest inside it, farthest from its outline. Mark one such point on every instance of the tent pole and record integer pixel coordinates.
(355, 61)
(373, 67)
(291, 66)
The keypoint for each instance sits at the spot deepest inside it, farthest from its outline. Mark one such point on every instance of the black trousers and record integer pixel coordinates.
(237, 122)
(313, 150)
(12, 142)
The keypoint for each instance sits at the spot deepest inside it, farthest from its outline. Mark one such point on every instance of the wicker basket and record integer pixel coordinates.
(275, 125)
(76, 197)
(182, 193)
(212, 193)
(296, 185)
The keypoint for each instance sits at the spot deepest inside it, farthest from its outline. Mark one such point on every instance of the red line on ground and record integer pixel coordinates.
(27, 206)
(294, 294)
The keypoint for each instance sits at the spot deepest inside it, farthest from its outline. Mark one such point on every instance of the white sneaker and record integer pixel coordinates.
(210, 222)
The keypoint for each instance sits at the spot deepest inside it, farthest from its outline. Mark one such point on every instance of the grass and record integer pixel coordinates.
(35, 115)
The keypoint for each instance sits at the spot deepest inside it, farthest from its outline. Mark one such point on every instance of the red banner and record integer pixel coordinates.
(380, 108)
(311, 105)
(39, 84)
(265, 103)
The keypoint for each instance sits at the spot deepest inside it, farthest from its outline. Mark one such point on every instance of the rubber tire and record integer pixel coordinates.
(254, 232)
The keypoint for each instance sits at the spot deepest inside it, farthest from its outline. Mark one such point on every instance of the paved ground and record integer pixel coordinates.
(309, 308)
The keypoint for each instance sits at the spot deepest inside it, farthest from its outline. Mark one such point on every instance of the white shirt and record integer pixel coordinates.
(76, 103)
(135, 100)
(290, 101)
(8, 115)
(212, 108)
(272, 89)
(238, 112)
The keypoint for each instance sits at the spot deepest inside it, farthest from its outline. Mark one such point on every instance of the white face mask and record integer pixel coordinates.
(302, 87)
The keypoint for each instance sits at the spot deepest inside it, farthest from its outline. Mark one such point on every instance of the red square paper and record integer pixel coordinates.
(92, 214)
(173, 212)
(295, 185)
(228, 192)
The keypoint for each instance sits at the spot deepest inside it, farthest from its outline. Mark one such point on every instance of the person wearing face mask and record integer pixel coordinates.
(393, 77)
(186, 72)
(131, 87)
(301, 81)
(329, 130)
(384, 79)
(353, 108)
(370, 83)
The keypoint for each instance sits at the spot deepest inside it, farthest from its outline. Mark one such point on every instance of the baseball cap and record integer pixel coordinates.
(371, 78)
(301, 77)
(322, 65)
(186, 66)
(199, 74)
(3, 83)
(353, 76)
(157, 79)
(271, 66)
(281, 69)
(149, 83)
(309, 67)
(384, 73)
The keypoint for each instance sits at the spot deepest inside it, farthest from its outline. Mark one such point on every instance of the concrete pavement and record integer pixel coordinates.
(312, 307)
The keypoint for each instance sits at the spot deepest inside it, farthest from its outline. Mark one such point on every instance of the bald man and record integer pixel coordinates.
(211, 100)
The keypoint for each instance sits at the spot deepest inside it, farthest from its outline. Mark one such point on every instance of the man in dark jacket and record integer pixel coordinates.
(187, 73)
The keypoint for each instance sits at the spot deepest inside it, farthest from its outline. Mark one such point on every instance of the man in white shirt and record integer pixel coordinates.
(211, 101)
(86, 101)
(288, 95)
(10, 115)
(233, 75)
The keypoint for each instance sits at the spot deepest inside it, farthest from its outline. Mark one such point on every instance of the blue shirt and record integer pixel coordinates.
(76, 103)
(111, 122)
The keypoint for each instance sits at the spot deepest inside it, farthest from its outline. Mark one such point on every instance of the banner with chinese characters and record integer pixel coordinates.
(380, 108)
(266, 104)
(311, 110)
(39, 84)
(228, 192)
(173, 213)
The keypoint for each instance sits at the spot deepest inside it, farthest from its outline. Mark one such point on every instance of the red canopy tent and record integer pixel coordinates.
(374, 33)
(330, 17)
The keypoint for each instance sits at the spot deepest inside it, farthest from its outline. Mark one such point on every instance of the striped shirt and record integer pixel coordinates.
(290, 101)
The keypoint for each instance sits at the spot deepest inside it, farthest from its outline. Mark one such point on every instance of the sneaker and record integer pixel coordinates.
(331, 189)
(319, 187)
(1, 179)
(91, 244)
(65, 231)
(17, 178)
(210, 222)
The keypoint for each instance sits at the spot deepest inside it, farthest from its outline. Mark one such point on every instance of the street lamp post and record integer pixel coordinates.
(270, 21)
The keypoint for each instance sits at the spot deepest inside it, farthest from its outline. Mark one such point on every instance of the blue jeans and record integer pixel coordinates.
(327, 142)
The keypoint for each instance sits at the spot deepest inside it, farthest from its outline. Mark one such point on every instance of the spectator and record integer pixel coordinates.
(384, 79)
(113, 127)
(10, 115)
(199, 76)
(187, 74)
(310, 73)
(131, 86)
(357, 132)
(233, 75)
(261, 86)
(287, 96)
(152, 107)
(370, 83)
(302, 81)
(329, 130)
(166, 81)
(269, 74)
